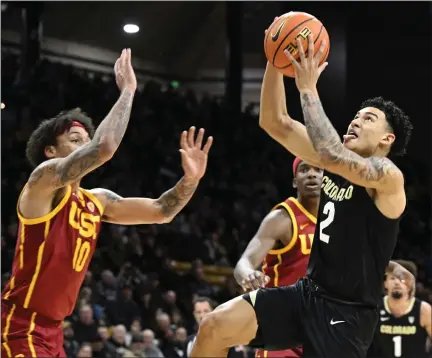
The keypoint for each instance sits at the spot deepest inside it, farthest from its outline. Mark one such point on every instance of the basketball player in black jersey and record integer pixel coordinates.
(404, 322)
(333, 311)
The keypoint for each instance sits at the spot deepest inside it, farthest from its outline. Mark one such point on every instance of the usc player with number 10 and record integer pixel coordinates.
(283, 242)
(60, 221)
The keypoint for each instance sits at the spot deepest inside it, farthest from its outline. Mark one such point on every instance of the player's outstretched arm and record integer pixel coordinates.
(276, 121)
(276, 226)
(56, 173)
(134, 211)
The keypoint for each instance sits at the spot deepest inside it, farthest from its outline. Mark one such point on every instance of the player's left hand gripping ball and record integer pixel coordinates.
(193, 156)
(308, 70)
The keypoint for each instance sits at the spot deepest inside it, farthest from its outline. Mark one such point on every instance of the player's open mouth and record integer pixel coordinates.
(312, 185)
(350, 135)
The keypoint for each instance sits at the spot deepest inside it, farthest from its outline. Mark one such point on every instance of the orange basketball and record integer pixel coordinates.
(283, 34)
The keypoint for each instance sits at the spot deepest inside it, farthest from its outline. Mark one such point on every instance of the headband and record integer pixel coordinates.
(295, 165)
(76, 124)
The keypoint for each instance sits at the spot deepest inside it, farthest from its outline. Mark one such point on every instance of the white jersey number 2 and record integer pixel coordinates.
(329, 210)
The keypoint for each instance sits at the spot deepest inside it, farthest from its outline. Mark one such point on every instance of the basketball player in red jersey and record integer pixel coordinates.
(283, 241)
(60, 222)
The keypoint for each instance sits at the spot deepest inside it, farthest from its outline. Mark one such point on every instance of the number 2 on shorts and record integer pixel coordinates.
(329, 210)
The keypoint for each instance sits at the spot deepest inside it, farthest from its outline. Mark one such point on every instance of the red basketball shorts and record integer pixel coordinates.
(25, 334)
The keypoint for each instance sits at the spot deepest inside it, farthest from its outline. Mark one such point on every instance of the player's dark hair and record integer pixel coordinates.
(47, 132)
(204, 299)
(398, 121)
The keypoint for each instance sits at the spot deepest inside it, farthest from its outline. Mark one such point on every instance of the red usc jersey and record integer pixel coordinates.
(286, 265)
(52, 255)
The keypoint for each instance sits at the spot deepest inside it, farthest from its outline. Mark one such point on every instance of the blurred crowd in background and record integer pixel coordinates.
(137, 299)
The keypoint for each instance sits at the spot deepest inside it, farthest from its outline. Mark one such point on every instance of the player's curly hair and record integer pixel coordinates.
(46, 133)
(398, 121)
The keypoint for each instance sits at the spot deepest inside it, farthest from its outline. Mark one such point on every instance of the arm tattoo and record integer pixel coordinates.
(175, 199)
(324, 137)
(111, 198)
(78, 163)
(113, 127)
(328, 145)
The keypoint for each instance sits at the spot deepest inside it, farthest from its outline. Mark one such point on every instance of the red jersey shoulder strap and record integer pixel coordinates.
(48, 216)
(286, 206)
(300, 210)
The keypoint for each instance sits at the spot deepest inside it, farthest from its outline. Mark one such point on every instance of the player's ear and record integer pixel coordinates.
(388, 139)
(50, 151)
(294, 183)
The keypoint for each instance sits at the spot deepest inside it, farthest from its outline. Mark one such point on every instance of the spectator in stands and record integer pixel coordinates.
(137, 345)
(150, 347)
(196, 280)
(85, 351)
(106, 287)
(124, 310)
(102, 348)
(86, 329)
(70, 345)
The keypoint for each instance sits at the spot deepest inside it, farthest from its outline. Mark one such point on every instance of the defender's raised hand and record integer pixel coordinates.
(308, 69)
(193, 157)
(124, 73)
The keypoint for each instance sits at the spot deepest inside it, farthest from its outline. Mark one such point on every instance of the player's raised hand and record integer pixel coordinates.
(193, 155)
(124, 72)
(308, 69)
(254, 280)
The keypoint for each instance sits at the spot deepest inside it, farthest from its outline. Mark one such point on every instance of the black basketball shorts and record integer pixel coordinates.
(299, 315)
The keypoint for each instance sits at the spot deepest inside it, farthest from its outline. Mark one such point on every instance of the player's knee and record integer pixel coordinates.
(209, 324)
(212, 325)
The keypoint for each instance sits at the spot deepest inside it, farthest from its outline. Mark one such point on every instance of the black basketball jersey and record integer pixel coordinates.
(402, 336)
(353, 243)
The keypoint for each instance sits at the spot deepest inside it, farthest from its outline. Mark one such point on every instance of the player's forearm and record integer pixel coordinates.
(175, 199)
(110, 132)
(321, 132)
(273, 102)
